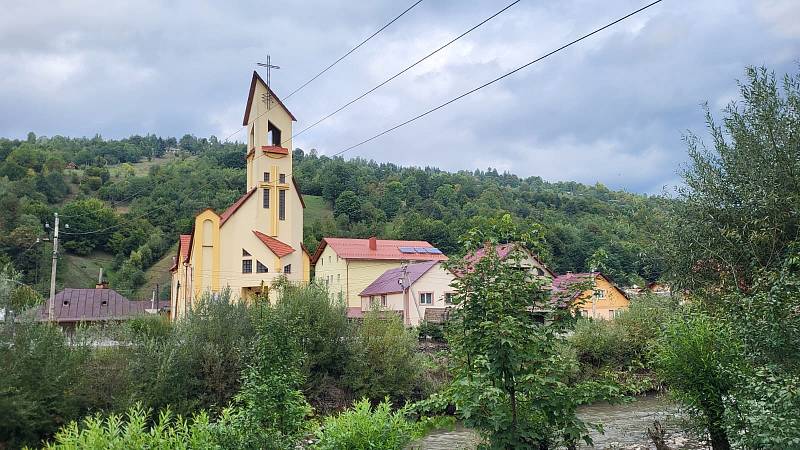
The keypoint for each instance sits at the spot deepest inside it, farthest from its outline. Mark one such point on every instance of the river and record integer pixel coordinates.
(625, 427)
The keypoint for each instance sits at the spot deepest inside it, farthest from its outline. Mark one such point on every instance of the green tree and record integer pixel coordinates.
(91, 223)
(510, 379)
(348, 204)
(700, 359)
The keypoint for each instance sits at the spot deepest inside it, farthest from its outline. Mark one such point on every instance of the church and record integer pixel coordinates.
(258, 239)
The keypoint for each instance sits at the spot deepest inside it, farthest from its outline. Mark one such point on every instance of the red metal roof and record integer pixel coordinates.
(236, 205)
(277, 247)
(183, 250)
(502, 252)
(389, 281)
(85, 305)
(274, 149)
(386, 249)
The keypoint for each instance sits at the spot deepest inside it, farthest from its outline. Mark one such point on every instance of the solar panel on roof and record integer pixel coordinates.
(421, 249)
(434, 251)
(406, 249)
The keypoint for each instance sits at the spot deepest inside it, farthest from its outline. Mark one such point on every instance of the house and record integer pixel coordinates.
(600, 299)
(660, 289)
(417, 292)
(531, 261)
(72, 307)
(71, 166)
(348, 266)
(258, 239)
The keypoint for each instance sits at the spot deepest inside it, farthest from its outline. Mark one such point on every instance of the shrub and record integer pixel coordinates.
(319, 327)
(270, 411)
(196, 363)
(131, 431)
(433, 330)
(363, 427)
(40, 381)
(384, 358)
(700, 360)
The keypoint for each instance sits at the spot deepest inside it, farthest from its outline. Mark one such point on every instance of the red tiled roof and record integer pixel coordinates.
(236, 205)
(386, 250)
(277, 247)
(85, 305)
(389, 281)
(563, 284)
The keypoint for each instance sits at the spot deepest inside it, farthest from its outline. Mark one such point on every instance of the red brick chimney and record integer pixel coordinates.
(373, 243)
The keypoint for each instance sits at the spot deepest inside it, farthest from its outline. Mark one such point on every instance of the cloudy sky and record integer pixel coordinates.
(611, 109)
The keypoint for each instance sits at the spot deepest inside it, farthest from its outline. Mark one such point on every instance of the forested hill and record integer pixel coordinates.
(126, 200)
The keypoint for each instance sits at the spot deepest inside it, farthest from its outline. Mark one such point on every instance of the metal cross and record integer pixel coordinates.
(268, 66)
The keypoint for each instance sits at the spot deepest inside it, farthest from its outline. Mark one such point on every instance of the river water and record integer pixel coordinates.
(625, 427)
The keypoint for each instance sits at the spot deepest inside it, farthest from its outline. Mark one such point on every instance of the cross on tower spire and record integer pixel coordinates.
(267, 68)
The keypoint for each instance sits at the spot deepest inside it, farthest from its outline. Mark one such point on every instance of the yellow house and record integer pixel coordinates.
(348, 266)
(598, 297)
(259, 237)
(417, 292)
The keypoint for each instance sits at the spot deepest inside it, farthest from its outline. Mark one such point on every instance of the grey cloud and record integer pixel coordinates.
(610, 110)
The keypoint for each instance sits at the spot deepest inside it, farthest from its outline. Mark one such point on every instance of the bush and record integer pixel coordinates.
(384, 358)
(366, 428)
(433, 330)
(700, 359)
(131, 431)
(39, 388)
(270, 411)
(195, 363)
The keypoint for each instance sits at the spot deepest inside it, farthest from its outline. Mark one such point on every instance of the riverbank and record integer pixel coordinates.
(625, 427)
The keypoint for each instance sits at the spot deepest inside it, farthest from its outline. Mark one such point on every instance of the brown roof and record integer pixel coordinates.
(91, 305)
(277, 247)
(386, 249)
(256, 77)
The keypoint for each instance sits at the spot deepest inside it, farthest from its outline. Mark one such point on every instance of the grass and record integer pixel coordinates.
(82, 271)
(158, 273)
(316, 210)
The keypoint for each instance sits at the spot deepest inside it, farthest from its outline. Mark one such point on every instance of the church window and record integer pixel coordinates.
(245, 252)
(266, 198)
(282, 204)
(247, 266)
(266, 177)
(273, 135)
(260, 268)
(253, 136)
(287, 268)
(282, 178)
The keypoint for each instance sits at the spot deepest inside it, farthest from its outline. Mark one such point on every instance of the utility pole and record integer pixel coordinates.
(52, 306)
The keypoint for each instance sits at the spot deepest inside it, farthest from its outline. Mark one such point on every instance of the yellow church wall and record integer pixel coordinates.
(606, 307)
(205, 254)
(237, 235)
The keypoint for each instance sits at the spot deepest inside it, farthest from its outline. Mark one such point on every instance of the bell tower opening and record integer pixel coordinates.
(273, 135)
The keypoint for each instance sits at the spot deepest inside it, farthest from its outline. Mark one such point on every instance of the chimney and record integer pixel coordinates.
(100, 283)
(373, 243)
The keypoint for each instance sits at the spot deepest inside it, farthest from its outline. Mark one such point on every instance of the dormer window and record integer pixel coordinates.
(273, 135)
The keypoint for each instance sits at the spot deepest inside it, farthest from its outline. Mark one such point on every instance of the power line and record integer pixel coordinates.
(269, 107)
(383, 83)
(507, 74)
(352, 50)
